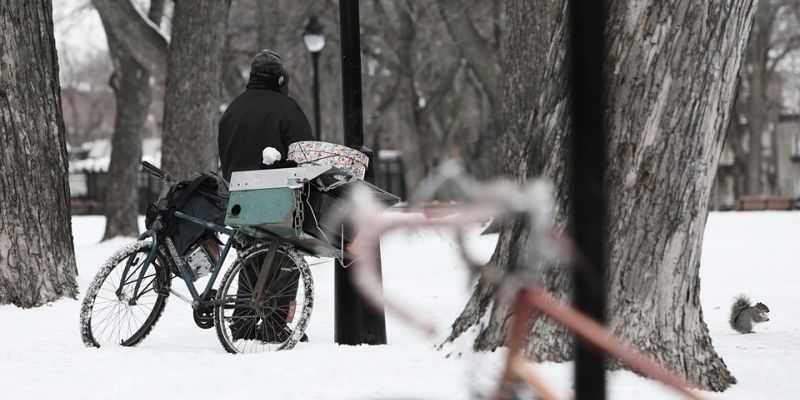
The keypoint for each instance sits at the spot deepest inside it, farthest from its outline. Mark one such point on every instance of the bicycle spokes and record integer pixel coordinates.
(122, 304)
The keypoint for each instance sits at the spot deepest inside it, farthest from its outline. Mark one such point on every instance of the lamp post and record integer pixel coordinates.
(356, 322)
(314, 39)
(588, 158)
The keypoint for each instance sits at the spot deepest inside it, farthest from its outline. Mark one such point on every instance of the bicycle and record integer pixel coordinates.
(520, 287)
(263, 303)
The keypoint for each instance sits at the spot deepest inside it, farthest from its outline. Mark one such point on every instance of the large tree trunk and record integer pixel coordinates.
(37, 260)
(672, 70)
(133, 94)
(192, 97)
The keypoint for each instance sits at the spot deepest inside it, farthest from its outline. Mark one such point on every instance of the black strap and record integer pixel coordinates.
(178, 201)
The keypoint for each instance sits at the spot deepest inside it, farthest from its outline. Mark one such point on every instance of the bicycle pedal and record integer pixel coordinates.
(204, 320)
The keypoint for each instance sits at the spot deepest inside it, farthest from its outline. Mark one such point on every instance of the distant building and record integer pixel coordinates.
(787, 157)
(88, 166)
(781, 166)
(724, 196)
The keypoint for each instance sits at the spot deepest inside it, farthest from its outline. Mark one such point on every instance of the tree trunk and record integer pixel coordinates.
(37, 260)
(131, 84)
(425, 145)
(192, 97)
(482, 57)
(672, 70)
(757, 50)
(417, 144)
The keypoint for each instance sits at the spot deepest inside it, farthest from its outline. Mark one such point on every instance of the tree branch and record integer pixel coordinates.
(156, 13)
(481, 57)
(442, 88)
(142, 39)
(792, 43)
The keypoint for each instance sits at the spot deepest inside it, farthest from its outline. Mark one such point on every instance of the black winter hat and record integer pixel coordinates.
(267, 69)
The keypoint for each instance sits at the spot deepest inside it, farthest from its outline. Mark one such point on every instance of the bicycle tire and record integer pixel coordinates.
(96, 321)
(288, 259)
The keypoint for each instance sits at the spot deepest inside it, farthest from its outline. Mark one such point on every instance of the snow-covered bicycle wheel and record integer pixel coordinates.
(110, 314)
(279, 320)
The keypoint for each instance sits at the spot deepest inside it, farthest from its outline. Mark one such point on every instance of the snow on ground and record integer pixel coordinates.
(42, 356)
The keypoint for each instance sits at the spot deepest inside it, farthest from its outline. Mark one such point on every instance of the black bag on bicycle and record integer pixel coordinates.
(202, 195)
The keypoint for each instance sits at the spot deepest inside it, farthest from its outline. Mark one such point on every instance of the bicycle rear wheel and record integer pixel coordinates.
(279, 320)
(111, 314)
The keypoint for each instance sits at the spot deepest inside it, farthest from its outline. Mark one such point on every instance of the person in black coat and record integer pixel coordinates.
(263, 116)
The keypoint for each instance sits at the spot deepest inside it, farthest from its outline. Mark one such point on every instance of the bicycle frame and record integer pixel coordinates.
(198, 299)
(527, 297)
(530, 301)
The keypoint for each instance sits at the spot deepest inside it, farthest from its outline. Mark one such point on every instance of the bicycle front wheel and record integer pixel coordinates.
(113, 311)
(278, 321)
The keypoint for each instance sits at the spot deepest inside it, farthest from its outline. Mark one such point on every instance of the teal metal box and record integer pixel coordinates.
(268, 209)
(266, 202)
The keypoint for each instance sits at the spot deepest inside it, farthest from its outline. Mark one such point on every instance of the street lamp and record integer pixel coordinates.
(314, 39)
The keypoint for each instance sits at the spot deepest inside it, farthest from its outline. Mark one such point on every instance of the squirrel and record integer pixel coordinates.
(744, 315)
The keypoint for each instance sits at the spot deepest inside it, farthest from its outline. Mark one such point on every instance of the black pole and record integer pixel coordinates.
(588, 148)
(356, 322)
(315, 62)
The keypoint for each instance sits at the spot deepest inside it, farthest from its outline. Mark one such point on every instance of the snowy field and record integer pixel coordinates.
(42, 356)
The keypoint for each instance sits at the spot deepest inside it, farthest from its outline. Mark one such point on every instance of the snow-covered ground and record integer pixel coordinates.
(41, 354)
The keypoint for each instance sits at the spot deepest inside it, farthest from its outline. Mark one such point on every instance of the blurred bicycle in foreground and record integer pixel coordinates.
(519, 285)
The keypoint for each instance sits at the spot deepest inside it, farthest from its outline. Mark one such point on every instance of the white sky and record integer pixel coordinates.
(78, 29)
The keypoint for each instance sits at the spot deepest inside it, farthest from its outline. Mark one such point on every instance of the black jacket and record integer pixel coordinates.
(259, 118)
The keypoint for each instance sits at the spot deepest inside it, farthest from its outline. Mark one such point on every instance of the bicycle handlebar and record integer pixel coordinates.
(157, 172)
(499, 200)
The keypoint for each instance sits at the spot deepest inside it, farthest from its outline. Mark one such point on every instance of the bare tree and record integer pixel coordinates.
(482, 52)
(421, 94)
(142, 39)
(774, 37)
(671, 68)
(133, 93)
(37, 260)
(193, 67)
(436, 98)
(192, 96)
(424, 144)
(428, 78)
